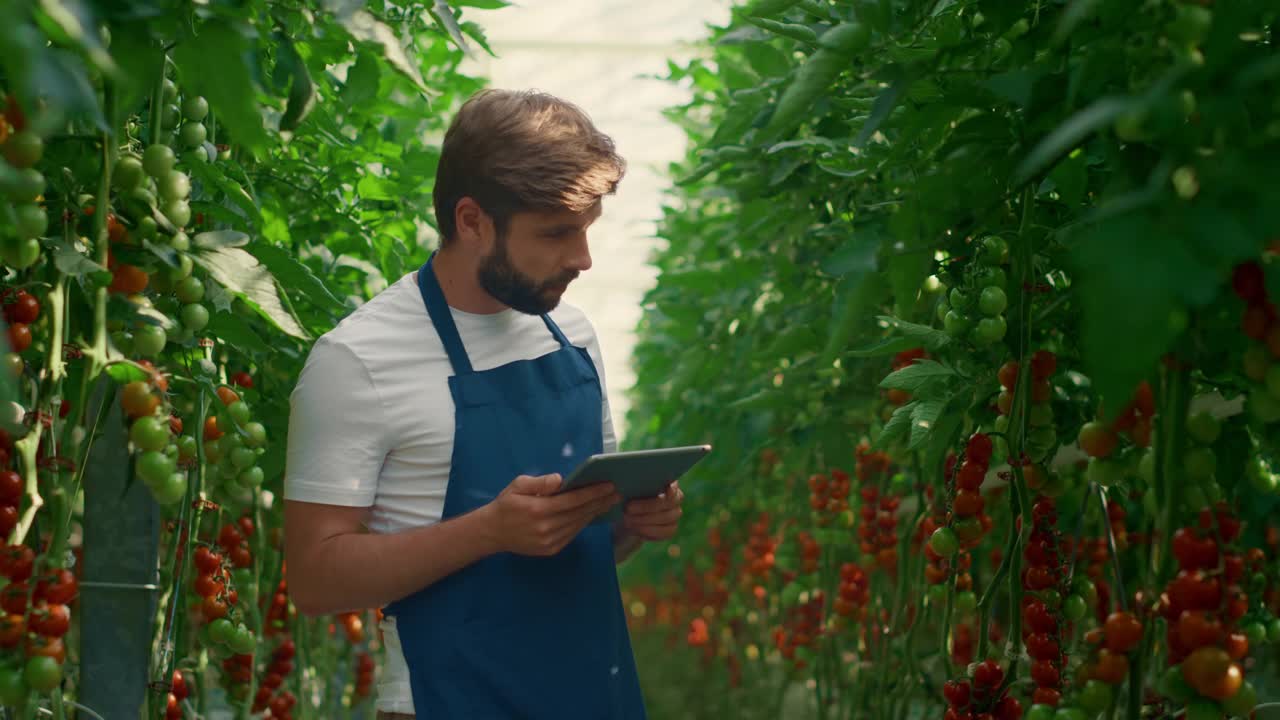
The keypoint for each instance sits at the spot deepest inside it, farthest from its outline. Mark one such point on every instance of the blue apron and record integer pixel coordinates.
(513, 636)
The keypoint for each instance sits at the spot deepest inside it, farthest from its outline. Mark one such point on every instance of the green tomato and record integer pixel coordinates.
(993, 301)
(221, 631)
(1264, 481)
(13, 689)
(240, 412)
(257, 437)
(1129, 127)
(182, 244)
(960, 300)
(1204, 428)
(937, 593)
(25, 186)
(253, 477)
(956, 325)
(128, 174)
(20, 254)
(154, 467)
(1041, 712)
(146, 228)
(243, 642)
(176, 275)
(149, 340)
(1095, 696)
(1263, 406)
(1084, 588)
(1256, 632)
(1212, 490)
(1105, 472)
(150, 433)
(172, 490)
(243, 458)
(187, 449)
(123, 340)
(195, 317)
(992, 277)
(193, 134)
(1070, 713)
(1147, 468)
(190, 290)
(990, 330)
(995, 251)
(966, 602)
(170, 115)
(169, 90)
(1194, 498)
(23, 149)
(1200, 464)
(31, 221)
(195, 108)
(158, 160)
(1191, 24)
(944, 542)
(195, 156)
(1075, 608)
(941, 309)
(1051, 598)
(178, 212)
(174, 186)
(42, 674)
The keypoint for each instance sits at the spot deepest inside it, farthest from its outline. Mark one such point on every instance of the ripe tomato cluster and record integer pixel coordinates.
(829, 496)
(36, 617)
(365, 667)
(983, 697)
(968, 521)
(802, 628)
(1043, 579)
(269, 695)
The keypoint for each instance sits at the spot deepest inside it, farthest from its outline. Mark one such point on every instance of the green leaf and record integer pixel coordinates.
(856, 255)
(242, 274)
(294, 275)
(127, 371)
(770, 8)
(445, 17)
(214, 239)
(80, 27)
(764, 399)
(70, 261)
(916, 375)
(167, 255)
(1070, 133)
(923, 418)
(230, 90)
(944, 434)
(1071, 178)
(930, 338)
(1075, 13)
(888, 346)
(767, 60)
(235, 332)
(361, 84)
(907, 271)
(880, 110)
(897, 426)
(302, 91)
(855, 291)
(364, 27)
(212, 174)
(482, 4)
(475, 32)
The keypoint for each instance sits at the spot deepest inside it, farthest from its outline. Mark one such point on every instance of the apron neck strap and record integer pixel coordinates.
(438, 310)
(555, 330)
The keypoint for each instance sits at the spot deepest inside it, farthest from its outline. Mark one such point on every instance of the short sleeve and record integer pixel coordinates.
(610, 439)
(337, 430)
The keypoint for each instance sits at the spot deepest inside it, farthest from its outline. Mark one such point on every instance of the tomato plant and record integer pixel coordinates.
(173, 236)
(988, 222)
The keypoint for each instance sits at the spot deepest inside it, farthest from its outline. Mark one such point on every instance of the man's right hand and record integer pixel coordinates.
(531, 517)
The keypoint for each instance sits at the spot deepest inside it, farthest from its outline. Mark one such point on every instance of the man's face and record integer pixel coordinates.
(530, 267)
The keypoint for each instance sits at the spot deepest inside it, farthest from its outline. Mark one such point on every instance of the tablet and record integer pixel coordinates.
(637, 474)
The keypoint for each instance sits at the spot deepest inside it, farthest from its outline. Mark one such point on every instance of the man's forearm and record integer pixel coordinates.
(356, 571)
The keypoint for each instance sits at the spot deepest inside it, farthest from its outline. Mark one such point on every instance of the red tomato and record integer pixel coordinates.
(1123, 632)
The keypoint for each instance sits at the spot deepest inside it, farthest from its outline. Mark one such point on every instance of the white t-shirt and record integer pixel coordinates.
(371, 419)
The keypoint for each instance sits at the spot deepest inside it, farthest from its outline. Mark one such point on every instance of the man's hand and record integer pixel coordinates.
(530, 518)
(655, 518)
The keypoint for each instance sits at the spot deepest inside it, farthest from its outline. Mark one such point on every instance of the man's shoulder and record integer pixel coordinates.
(574, 323)
(381, 323)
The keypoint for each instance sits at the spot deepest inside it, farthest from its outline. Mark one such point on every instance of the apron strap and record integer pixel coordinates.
(555, 330)
(438, 310)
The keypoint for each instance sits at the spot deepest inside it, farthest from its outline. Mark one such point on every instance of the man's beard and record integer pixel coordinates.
(515, 289)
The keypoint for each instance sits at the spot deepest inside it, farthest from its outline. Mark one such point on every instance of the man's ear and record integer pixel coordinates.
(474, 226)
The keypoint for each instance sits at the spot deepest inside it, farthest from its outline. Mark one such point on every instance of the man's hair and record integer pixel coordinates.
(519, 151)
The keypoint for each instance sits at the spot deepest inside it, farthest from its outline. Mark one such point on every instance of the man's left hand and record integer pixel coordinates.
(655, 518)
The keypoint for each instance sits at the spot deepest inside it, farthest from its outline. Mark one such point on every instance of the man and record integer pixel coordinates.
(430, 431)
